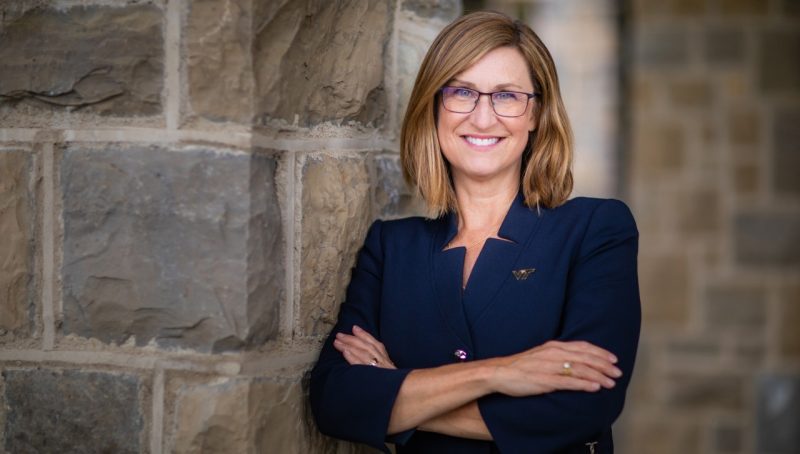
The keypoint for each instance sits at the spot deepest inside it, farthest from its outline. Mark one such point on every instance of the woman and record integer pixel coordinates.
(509, 323)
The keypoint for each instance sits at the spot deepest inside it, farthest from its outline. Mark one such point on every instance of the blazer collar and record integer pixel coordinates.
(516, 225)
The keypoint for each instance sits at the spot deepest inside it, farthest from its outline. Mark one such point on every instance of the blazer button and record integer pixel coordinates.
(460, 354)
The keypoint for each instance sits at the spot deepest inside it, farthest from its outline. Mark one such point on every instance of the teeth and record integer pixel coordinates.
(482, 142)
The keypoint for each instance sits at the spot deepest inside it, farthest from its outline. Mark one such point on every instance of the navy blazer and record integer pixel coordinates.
(406, 291)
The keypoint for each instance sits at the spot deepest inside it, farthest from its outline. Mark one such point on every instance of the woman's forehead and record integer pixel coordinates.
(503, 68)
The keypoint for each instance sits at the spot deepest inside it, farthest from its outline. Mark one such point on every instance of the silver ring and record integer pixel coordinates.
(566, 368)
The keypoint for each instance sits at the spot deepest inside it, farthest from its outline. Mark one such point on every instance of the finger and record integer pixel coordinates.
(367, 337)
(598, 364)
(574, 384)
(583, 372)
(587, 348)
(362, 345)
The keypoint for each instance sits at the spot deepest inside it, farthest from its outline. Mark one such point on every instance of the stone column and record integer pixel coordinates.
(184, 185)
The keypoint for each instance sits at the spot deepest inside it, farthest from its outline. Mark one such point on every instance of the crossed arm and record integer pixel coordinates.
(444, 399)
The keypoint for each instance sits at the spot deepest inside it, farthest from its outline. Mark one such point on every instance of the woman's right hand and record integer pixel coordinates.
(556, 365)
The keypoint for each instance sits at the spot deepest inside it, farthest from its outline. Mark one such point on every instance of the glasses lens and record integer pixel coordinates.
(509, 103)
(459, 100)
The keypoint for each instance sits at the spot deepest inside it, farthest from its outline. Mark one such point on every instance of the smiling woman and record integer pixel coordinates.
(509, 322)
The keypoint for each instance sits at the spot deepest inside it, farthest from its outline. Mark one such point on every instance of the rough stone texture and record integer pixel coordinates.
(106, 60)
(16, 248)
(181, 247)
(662, 47)
(736, 306)
(219, 60)
(393, 197)
(335, 217)
(318, 61)
(664, 284)
(695, 391)
(779, 61)
(249, 416)
(778, 414)
(411, 48)
(446, 10)
(724, 45)
(786, 140)
(767, 239)
(54, 411)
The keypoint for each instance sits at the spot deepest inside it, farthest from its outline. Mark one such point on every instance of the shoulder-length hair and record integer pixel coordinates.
(546, 177)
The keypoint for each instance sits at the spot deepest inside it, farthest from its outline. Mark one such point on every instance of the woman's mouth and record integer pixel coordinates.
(482, 141)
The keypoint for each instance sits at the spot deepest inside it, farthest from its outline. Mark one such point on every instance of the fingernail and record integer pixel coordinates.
(595, 386)
(610, 383)
(617, 373)
(612, 358)
(356, 327)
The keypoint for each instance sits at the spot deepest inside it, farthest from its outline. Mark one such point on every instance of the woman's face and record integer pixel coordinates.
(482, 145)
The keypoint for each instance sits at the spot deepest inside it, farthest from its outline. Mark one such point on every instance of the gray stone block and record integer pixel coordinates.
(767, 238)
(54, 411)
(736, 306)
(17, 217)
(687, 391)
(180, 247)
(335, 217)
(445, 10)
(786, 140)
(662, 47)
(106, 60)
(393, 197)
(779, 61)
(319, 61)
(724, 45)
(778, 414)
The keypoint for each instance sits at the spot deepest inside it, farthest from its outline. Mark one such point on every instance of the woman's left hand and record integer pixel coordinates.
(362, 348)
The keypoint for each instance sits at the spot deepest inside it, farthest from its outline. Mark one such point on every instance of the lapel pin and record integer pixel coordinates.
(523, 274)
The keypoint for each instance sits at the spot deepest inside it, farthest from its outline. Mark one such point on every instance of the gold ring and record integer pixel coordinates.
(566, 368)
(374, 362)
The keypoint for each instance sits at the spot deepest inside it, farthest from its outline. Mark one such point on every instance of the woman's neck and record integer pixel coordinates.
(481, 206)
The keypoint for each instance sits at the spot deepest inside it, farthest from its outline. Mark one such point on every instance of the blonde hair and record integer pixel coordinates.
(546, 177)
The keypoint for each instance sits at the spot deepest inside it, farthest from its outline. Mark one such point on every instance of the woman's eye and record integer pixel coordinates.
(505, 96)
(463, 93)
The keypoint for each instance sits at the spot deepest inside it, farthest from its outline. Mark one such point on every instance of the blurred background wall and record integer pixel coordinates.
(184, 184)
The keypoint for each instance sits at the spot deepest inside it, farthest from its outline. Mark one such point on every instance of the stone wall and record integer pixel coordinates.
(713, 120)
(183, 187)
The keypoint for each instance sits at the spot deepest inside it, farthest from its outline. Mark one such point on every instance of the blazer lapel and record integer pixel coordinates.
(496, 263)
(448, 268)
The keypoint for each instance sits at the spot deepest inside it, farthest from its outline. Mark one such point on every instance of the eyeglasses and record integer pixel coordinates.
(504, 103)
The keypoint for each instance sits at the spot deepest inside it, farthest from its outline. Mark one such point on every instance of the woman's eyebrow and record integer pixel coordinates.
(504, 86)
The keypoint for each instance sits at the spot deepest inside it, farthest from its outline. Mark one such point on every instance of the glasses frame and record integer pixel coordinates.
(491, 97)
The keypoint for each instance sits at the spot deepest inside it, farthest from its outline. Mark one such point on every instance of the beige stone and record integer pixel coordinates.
(318, 61)
(744, 127)
(249, 416)
(718, 391)
(789, 338)
(335, 215)
(743, 7)
(16, 247)
(691, 93)
(661, 435)
(746, 178)
(699, 211)
(658, 149)
(731, 305)
(219, 61)
(664, 288)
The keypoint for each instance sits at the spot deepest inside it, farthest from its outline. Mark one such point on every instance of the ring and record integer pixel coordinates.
(566, 368)
(374, 362)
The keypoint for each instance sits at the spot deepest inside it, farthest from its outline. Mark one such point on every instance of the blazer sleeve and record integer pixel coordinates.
(603, 308)
(355, 402)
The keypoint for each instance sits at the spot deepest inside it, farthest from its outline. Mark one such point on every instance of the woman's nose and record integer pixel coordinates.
(483, 115)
